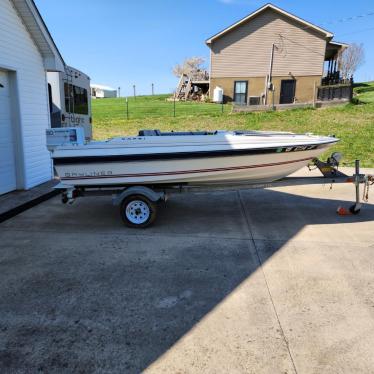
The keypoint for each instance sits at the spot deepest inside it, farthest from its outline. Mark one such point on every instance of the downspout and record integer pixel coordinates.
(210, 74)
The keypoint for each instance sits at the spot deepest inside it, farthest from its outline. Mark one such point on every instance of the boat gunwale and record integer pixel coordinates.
(232, 152)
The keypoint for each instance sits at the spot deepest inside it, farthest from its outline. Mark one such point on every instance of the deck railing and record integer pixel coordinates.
(339, 91)
(335, 78)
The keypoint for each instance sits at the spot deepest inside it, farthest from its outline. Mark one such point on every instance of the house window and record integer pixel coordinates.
(240, 92)
(76, 99)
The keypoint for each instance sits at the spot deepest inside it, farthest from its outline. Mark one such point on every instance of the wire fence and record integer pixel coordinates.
(153, 106)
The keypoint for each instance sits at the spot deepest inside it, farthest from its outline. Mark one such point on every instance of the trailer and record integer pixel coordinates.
(138, 203)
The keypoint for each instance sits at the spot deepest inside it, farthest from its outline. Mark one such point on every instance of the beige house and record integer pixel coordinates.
(272, 55)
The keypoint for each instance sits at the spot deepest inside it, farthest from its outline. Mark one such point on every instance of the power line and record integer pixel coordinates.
(351, 18)
(346, 19)
(301, 45)
(341, 20)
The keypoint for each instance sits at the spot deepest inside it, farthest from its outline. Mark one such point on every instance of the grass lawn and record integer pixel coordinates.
(353, 124)
(151, 106)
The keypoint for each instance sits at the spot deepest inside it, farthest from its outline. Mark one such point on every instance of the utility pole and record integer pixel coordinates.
(119, 91)
(153, 89)
(133, 86)
(270, 79)
(271, 63)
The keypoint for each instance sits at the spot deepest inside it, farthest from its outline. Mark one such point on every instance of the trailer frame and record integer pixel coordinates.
(138, 203)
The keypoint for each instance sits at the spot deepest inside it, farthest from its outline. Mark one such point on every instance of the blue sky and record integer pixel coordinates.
(121, 43)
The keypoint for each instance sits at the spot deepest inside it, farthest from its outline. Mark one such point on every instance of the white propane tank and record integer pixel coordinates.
(218, 95)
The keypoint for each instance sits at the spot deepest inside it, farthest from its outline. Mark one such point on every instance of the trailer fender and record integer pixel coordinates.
(138, 190)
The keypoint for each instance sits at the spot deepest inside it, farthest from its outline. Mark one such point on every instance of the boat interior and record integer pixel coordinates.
(174, 133)
(189, 133)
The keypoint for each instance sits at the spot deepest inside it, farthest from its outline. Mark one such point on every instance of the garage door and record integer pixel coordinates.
(7, 161)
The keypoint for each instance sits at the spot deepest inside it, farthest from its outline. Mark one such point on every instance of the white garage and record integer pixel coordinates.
(27, 52)
(98, 91)
(8, 180)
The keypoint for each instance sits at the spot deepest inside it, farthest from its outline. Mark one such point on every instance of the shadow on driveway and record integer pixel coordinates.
(81, 293)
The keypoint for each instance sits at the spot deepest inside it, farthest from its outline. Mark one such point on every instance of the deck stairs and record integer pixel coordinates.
(184, 88)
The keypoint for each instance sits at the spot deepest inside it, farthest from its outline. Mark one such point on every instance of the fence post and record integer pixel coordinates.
(174, 106)
(222, 105)
(127, 109)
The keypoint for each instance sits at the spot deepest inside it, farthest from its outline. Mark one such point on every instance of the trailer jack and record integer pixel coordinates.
(329, 170)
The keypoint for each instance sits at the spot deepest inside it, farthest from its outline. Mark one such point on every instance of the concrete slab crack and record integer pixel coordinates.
(252, 239)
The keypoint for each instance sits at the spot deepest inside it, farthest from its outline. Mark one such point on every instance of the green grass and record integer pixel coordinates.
(365, 92)
(353, 124)
(151, 106)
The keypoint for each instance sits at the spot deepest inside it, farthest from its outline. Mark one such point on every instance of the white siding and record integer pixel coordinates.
(245, 51)
(18, 52)
(7, 160)
(109, 93)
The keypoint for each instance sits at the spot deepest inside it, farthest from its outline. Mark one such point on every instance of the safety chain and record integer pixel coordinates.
(369, 180)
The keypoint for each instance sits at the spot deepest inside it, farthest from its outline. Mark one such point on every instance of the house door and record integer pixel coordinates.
(7, 160)
(287, 93)
(240, 92)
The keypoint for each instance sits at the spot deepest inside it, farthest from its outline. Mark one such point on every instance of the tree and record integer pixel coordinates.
(351, 59)
(189, 66)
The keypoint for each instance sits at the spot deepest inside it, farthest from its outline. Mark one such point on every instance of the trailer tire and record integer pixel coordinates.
(137, 211)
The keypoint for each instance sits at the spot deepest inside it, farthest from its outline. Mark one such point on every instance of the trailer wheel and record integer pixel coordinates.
(138, 211)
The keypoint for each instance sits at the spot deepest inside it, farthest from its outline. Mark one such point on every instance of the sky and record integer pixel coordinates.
(121, 42)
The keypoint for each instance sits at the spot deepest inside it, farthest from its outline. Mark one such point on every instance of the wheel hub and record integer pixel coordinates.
(137, 212)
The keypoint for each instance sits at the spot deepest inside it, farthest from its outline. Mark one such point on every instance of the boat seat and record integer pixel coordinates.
(149, 133)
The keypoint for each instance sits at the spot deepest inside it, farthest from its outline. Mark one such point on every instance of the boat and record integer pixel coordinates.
(173, 158)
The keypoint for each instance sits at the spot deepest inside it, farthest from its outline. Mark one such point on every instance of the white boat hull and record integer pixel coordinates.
(249, 168)
(175, 158)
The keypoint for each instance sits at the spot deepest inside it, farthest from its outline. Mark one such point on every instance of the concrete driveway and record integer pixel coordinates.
(260, 281)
